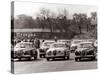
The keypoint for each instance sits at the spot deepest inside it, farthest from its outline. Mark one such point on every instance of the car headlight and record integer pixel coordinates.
(49, 53)
(90, 52)
(59, 51)
(77, 53)
(54, 52)
(41, 50)
(47, 48)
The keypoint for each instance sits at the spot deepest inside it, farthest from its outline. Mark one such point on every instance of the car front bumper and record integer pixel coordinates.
(86, 56)
(55, 56)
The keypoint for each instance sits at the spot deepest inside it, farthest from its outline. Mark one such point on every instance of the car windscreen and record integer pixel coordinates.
(86, 45)
(47, 43)
(76, 42)
(24, 45)
(58, 45)
(65, 41)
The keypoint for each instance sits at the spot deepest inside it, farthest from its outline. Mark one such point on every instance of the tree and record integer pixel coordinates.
(24, 21)
(80, 20)
(63, 22)
(44, 12)
(93, 19)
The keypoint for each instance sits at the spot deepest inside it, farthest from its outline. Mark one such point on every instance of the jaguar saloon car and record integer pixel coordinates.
(25, 50)
(85, 50)
(44, 47)
(58, 50)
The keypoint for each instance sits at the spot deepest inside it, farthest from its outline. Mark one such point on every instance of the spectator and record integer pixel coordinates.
(43, 40)
(37, 43)
(55, 38)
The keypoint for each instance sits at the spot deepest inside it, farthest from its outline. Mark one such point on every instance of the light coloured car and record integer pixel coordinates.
(44, 47)
(25, 50)
(85, 50)
(58, 50)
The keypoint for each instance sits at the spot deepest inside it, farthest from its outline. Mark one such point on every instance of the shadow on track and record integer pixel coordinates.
(87, 60)
(62, 59)
(27, 60)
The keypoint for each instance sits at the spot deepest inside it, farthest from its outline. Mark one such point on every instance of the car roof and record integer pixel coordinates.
(59, 43)
(64, 40)
(49, 41)
(24, 43)
(85, 42)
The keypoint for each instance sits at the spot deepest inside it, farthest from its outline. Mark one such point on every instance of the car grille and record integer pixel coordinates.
(90, 52)
(27, 53)
(54, 52)
(49, 53)
(18, 53)
(42, 50)
(84, 53)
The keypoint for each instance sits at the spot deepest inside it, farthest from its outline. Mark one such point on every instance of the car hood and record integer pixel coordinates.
(82, 49)
(73, 45)
(44, 47)
(58, 49)
(24, 49)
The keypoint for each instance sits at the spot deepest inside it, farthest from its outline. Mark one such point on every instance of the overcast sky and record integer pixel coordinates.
(31, 9)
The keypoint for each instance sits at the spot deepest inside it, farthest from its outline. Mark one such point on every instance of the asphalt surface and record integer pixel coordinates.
(42, 65)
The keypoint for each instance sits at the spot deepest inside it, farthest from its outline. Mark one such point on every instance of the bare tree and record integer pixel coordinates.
(45, 12)
(23, 21)
(80, 19)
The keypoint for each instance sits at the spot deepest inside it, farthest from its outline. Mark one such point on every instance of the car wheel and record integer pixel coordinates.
(12, 59)
(44, 56)
(35, 57)
(29, 58)
(40, 56)
(53, 58)
(67, 57)
(93, 58)
(19, 59)
(48, 59)
(77, 59)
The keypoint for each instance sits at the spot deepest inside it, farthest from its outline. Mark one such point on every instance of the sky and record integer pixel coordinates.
(32, 9)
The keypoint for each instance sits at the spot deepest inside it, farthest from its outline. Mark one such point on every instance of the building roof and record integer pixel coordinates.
(34, 30)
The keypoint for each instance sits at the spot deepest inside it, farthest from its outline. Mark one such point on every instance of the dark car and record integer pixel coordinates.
(25, 50)
(85, 50)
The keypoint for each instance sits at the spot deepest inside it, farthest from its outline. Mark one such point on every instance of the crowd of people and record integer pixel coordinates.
(36, 42)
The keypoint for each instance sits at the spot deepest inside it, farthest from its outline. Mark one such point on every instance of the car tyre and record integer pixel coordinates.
(29, 58)
(44, 56)
(77, 59)
(35, 57)
(53, 58)
(40, 56)
(68, 57)
(93, 58)
(48, 59)
(19, 59)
